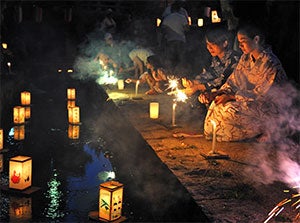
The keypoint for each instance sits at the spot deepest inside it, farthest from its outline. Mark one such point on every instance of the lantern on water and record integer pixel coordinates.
(200, 22)
(70, 103)
(20, 209)
(214, 16)
(19, 115)
(73, 131)
(20, 168)
(1, 139)
(189, 21)
(74, 115)
(154, 110)
(27, 112)
(110, 200)
(25, 98)
(1, 163)
(19, 132)
(71, 93)
(120, 84)
(158, 21)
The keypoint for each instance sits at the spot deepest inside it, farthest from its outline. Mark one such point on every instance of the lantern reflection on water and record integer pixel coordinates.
(20, 168)
(19, 132)
(110, 200)
(73, 131)
(25, 98)
(27, 112)
(20, 209)
(19, 115)
(74, 115)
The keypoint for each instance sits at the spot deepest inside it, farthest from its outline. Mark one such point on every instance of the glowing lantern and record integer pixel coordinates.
(110, 200)
(214, 16)
(200, 22)
(120, 84)
(70, 71)
(158, 21)
(154, 110)
(4, 45)
(73, 131)
(71, 93)
(190, 20)
(70, 103)
(1, 139)
(19, 132)
(19, 115)
(20, 209)
(1, 163)
(25, 98)
(74, 115)
(20, 168)
(27, 112)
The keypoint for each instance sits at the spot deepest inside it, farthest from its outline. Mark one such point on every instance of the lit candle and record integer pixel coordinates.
(173, 112)
(214, 125)
(137, 87)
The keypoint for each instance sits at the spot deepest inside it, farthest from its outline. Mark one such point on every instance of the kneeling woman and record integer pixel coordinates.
(246, 104)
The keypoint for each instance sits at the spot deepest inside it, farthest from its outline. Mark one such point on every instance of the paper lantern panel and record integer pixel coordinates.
(20, 170)
(19, 115)
(25, 98)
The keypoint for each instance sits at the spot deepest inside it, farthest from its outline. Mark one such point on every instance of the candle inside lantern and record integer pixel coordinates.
(1, 139)
(19, 115)
(120, 84)
(71, 93)
(137, 87)
(25, 98)
(154, 110)
(173, 112)
(214, 125)
(200, 22)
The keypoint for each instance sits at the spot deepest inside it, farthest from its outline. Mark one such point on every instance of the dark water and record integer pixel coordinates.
(68, 172)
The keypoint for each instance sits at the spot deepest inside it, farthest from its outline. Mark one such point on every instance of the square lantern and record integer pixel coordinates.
(110, 200)
(27, 112)
(70, 103)
(19, 132)
(74, 115)
(19, 115)
(200, 22)
(154, 110)
(1, 163)
(121, 84)
(20, 168)
(1, 139)
(71, 93)
(73, 131)
(214, 16)
(25, 98)
(20, 209)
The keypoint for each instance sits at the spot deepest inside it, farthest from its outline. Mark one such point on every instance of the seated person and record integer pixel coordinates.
(247, 103)
(155, 76)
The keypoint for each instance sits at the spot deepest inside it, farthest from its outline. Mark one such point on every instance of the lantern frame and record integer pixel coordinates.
(20, 172)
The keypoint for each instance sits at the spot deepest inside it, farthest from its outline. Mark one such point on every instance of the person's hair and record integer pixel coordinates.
(218, 36)
(251, 31)
(176, 6)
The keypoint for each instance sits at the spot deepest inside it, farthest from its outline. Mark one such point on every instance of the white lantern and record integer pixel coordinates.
(20, 168)
(154, 110)
(73, 131)
(25, 98)
(120, 84)
(1, 139)
(19, 132)
(71, 93)
(74, 115)
(110, 200)
(200, 22)
(19, 115)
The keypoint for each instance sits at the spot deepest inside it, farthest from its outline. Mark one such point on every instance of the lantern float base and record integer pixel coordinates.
(27, 191)
(216, 155)
(94, 215)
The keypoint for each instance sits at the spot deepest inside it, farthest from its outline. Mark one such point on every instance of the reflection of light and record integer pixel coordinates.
(54, 195)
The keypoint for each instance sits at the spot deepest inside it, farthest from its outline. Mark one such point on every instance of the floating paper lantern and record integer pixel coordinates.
(120, 84)
(19, 132)
(20, 168)
(19, 115)
(189, 21)
(154, 110)
(74, 115)
(1, 139)
(20, 209)
(158, 21)
(70, 103)
(73, 131)
(4, 46)
(71, 93)
(25, 98)
(110, 200)
(214, 16)
(200, 22)
(27, 112)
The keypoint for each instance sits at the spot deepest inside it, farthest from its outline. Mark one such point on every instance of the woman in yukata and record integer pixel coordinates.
(247, 103)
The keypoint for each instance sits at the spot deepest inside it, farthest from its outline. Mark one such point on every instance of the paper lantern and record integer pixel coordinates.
(27, 112)
(71, 103)
(158, 21)
(200, 22)
(154, 110)
(110, 200)
(189, 21)
(25, 98)
(20, 209)
(1, 139)
(120, 84)
(4, 45)
(19, 132)
(19, 115)
(71, 93)
(73, 131)
(20, 168)
(1, 163)
(74, 115)
(214, 16)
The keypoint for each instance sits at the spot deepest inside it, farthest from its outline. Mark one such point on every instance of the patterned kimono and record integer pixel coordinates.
(255, 86)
